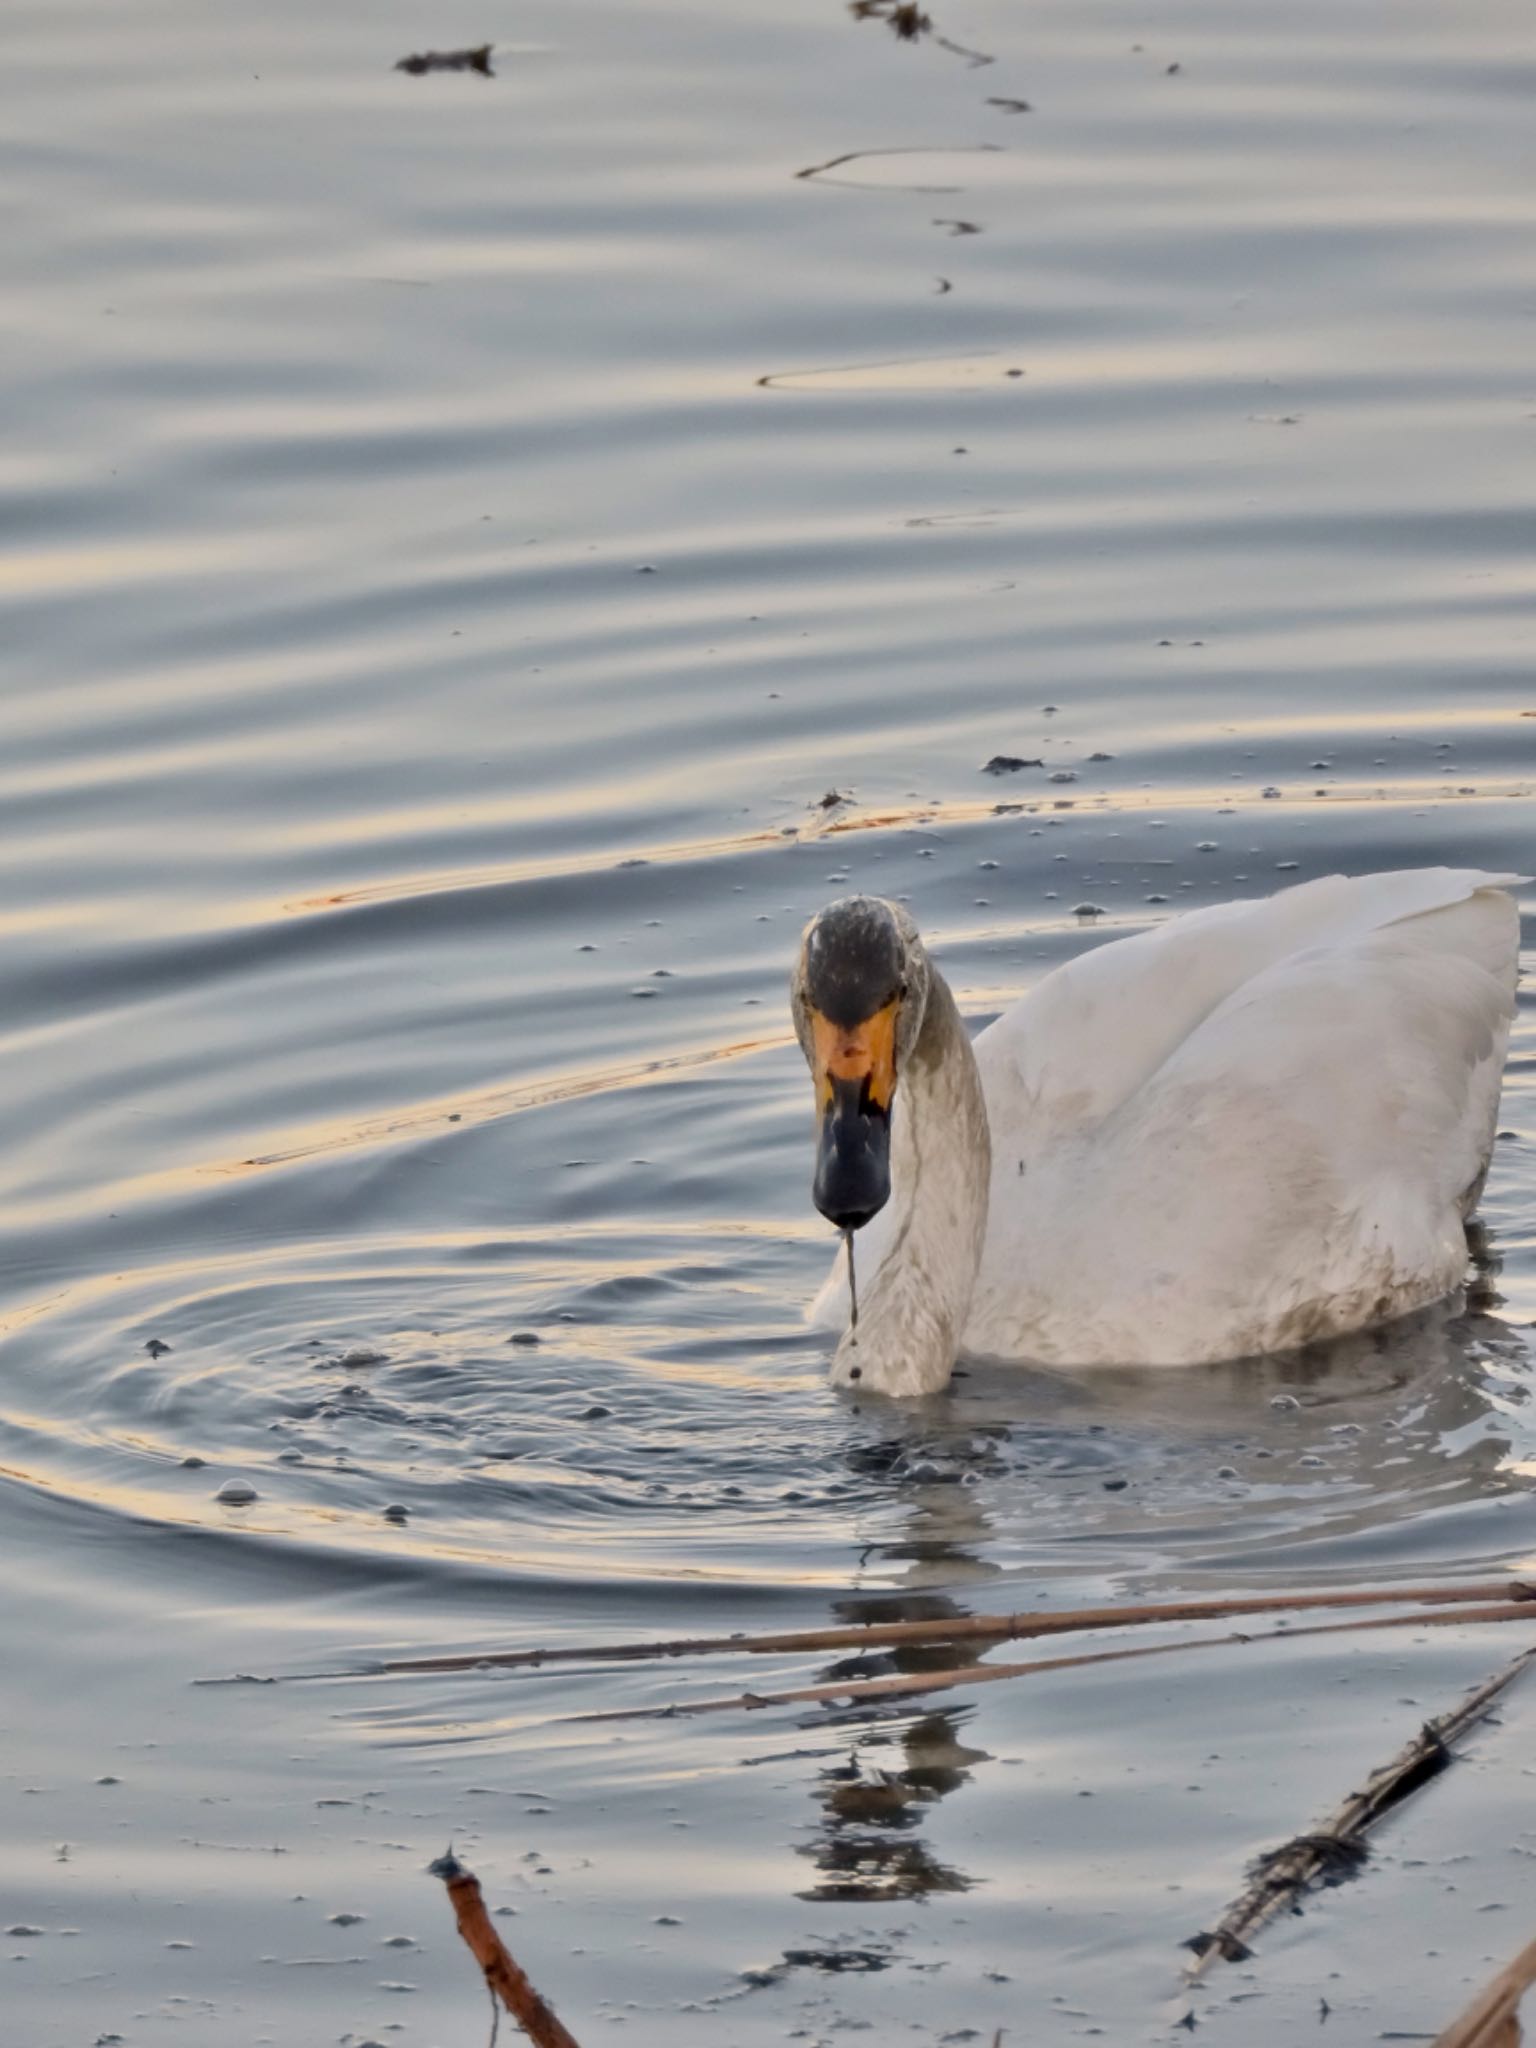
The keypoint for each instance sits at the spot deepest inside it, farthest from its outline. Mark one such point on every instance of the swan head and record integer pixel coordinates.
(858, 994)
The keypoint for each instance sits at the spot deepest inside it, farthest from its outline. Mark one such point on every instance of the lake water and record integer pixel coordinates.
(459, 531)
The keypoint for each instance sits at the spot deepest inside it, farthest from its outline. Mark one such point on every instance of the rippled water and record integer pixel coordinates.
(485, 558)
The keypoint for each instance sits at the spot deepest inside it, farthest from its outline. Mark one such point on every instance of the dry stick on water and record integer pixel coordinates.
(504, 1980)
(1492, 2020)
(860, 1689)
(997, 1628)
(1335, 1844)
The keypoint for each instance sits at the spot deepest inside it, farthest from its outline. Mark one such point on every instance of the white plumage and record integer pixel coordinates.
(1259, 1125)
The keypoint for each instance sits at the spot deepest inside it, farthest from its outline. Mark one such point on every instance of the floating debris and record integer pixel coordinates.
(1333, 1849)
(1008, 764)
(907, 21)
(909, 24)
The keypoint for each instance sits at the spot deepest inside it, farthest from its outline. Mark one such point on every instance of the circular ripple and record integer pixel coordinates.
(587, 1405)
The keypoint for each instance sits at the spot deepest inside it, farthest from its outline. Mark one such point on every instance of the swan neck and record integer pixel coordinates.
(914, 1305)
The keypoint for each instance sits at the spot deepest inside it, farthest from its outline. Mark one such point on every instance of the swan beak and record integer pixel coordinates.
(854, 1067)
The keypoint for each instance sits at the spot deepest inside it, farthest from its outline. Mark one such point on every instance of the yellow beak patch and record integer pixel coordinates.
(858, 1052)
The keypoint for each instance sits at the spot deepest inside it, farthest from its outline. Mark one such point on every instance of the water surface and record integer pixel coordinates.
(461, 532)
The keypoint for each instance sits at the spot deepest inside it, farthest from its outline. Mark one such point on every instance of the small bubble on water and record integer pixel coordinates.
(1284, 1404)
(236, 1493)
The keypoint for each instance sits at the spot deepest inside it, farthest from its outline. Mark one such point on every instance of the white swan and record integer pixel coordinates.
(1259, 1125)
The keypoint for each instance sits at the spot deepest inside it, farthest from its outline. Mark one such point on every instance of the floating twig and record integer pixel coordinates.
(477, 59)
(504, 1979)
(1492, 2020)
(998, 1628)
(1335, 1846)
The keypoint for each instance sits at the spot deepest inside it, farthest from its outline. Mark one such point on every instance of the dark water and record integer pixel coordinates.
(459, 531)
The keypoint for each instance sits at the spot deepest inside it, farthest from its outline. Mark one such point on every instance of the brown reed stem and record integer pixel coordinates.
(504, 1979)
(1018, 1627)
(1492, 2020)
(858, 1689)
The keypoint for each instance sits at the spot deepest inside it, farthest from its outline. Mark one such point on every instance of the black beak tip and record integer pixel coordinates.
(851, 1215)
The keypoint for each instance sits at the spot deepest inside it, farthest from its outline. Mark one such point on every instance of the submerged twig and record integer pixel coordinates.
(504, 1979)
(1335, 1845)
(853, 156)
(857, 1690)
(999, 1628)
(1492, 2020)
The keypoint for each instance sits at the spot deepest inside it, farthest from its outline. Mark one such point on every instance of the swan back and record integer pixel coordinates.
(1097, 1028)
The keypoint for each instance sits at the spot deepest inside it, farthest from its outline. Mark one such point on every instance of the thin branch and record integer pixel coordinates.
(999, 1628)
(1336, 1843)
(503, 1978)
(1492, 2020)
(858, 1689)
